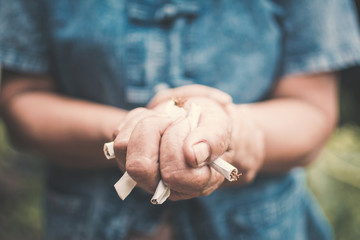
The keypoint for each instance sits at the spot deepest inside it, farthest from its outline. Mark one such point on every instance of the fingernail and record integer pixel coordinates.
(202, 153)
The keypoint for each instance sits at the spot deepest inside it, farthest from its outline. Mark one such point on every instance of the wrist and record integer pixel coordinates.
(248, 141)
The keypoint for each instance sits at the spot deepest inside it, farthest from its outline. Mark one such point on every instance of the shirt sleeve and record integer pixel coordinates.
(23, 45)
(319, 35)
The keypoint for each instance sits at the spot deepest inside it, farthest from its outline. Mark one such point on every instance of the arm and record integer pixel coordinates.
(270, 136)
(298, 120)
(70, 132)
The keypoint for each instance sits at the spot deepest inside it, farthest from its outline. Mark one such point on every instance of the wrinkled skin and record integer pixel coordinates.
(150, 144)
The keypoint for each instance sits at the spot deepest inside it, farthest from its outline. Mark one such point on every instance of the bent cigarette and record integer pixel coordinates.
(109, 150)
(126, 184)
(226, 169)
(162, 193)
(230, 172)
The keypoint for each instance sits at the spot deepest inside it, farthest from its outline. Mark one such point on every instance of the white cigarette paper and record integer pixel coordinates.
(162, 193)
(109, 150)
(226, 169)
(126, 184)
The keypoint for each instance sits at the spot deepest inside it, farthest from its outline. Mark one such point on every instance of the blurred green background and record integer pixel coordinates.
(334, 177)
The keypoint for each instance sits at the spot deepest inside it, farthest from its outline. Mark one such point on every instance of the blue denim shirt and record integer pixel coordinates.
(121, 52)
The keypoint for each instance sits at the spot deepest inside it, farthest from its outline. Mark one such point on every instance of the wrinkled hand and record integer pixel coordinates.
(137, 144)
(137, 139)
(246, 143)
(147, 136)
(185, 154)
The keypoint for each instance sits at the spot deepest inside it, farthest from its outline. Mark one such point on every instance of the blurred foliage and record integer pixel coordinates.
(20, 194)
(335, 180)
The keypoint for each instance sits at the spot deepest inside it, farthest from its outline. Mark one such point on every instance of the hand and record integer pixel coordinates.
(248, 143)
(185, 154)
(246, 150)
(137, 145)
(139, 134)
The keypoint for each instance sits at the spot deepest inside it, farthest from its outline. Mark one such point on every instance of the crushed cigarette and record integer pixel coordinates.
(226, 169)
(124, 186)
(109, 150)
(162, 193)
(175, 110)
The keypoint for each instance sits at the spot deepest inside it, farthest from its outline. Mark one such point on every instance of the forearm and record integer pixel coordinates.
(297, 121)
(294, 132)
(68, 131)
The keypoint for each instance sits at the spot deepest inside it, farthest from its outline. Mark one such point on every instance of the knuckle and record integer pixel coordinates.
(201, 181)
(150, 122)
(138, 169)
(120, 144)
(169, 177)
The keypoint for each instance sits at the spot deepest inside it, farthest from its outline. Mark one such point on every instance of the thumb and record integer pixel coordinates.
(209, 140)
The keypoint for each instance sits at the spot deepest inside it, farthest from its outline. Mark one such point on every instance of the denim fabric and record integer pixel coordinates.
(85, 206)
(122, 52)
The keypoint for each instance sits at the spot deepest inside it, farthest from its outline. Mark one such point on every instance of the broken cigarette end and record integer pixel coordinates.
(124, 186)
(154, 201)
(226, 169)
(162, 193)
(109, 150)
(234, 175)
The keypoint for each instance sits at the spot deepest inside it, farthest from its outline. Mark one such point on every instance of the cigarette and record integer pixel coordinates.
(226, 169)
(126, 184)
(162, 193)
(109, 150)
(230, 172)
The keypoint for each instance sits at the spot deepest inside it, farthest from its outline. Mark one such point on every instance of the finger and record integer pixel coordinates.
(125, 129)
(214, 183)
(188, 91)
(175, 172)
(143, 151)
(128, 118)
(124, 132)
(122, 136)
(210, 139)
